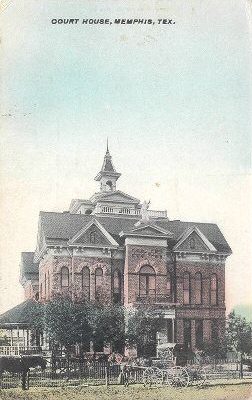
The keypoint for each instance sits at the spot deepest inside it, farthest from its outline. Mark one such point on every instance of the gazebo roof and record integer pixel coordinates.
(19, 315)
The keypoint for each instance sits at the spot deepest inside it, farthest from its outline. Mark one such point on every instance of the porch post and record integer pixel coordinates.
(173, 330)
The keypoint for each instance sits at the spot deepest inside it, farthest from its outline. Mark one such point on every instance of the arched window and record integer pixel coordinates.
(98, 282)
(147, 282)
(109, 185)
(64, 277)
(198, 288)
(117, 286)
(213, 289)
(169, 285)
(86, 282)
(186, 288)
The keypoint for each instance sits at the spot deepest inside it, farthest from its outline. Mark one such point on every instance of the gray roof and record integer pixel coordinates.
(28, 267)
(60, 227)
(19, 314)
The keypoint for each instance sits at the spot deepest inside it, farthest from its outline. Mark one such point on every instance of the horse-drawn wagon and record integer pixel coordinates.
(169, 369)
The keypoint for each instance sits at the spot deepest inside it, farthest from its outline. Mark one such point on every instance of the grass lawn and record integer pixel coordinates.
(238, 391)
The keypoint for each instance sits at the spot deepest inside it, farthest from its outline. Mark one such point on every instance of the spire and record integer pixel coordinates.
(107, 175)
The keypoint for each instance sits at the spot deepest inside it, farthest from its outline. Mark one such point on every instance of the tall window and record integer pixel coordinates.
(214, 329)
(198, 288)
(98, 282)
(169, 285)
(64, 277)
(187, 333)
(186, 288)
(213, 289)
(199, 333)
(86, 282)
(147, 281)
(117, 287)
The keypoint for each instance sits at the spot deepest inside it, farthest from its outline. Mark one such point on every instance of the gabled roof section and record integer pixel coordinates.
(58, 228)
(115, 196)
(147, 229)
(194, 229)
(119, 196)
(79, 236)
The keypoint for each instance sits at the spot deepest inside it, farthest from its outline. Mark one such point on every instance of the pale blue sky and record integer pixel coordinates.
(175, 102)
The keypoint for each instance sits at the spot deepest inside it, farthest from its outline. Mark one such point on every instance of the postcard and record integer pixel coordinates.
(125, 205)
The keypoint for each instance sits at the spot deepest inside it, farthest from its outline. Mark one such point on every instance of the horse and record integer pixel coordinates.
(21, 364)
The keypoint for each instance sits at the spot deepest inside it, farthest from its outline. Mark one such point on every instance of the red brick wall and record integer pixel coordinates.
(53, 265)
(138, 256)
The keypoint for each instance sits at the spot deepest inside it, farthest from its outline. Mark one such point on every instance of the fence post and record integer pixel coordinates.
(241, 368)
(106, 377)
(28, 380)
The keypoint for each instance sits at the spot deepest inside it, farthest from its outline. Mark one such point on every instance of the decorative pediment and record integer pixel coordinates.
(147, 230)
(194, 240)
(118, 197)
(93, 234)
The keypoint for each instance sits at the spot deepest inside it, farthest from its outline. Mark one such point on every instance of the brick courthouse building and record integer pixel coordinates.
(113, 247)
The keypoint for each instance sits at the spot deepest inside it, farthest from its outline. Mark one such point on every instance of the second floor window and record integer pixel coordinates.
(198, 288)
(86, 282)
(117, 287)
(64, 277)
(147, 281)
(98, 282)
(186, 288)
(169, 285)
(213, 289)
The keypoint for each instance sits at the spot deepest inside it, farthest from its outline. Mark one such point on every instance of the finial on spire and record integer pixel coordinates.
(107, 146)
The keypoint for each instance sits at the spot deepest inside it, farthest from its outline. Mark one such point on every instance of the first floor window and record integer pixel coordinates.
(64, 277)
(187, 334)
(199, 333)
(214, 329)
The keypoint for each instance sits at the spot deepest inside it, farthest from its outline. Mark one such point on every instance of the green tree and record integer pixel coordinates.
(142, 325)
(239, 334)
(108, 325)
(68, 322)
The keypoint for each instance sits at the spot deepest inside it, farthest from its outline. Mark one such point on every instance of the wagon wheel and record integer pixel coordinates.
(176, 377)
(152, 376)
(197, 376)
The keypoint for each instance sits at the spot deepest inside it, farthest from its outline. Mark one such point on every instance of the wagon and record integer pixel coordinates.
(169, 369)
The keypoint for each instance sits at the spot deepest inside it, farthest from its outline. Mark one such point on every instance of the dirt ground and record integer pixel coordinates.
(237, 391)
